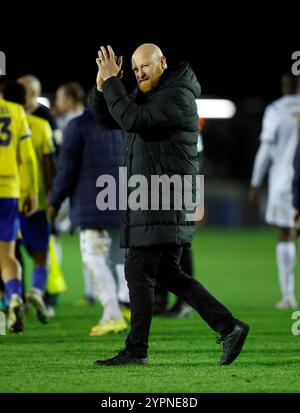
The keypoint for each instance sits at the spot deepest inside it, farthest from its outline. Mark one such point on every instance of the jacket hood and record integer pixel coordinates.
(180, 75)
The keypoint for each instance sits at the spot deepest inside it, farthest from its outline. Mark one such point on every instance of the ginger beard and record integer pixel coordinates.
(151, 80)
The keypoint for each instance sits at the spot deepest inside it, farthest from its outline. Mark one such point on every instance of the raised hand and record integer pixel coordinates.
(108, 65)
(99, 80)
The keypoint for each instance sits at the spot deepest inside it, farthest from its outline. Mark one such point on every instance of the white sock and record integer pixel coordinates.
(88, 283)
(286, 259)
(123, 292)
(104, 287)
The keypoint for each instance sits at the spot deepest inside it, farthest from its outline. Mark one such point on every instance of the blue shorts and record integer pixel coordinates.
(35, 231)
(9, 219)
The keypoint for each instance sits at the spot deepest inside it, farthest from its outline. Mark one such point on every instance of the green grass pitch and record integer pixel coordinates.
(238, 267)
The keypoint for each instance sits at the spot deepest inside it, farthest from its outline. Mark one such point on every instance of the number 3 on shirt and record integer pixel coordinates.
(4, 130)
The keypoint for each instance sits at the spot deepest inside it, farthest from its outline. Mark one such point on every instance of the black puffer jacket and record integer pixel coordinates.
(162, 133)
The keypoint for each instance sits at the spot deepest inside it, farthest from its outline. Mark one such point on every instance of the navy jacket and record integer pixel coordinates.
(296, 180)
(88, 151)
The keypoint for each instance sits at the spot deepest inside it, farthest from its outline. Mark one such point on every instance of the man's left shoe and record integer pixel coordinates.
(35, 298)
(233, 342)
(123, 357)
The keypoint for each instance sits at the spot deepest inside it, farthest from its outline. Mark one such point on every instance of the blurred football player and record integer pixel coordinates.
(55, 283)
(88, 151)
(16, 150)
(35, 229)
(275, 155)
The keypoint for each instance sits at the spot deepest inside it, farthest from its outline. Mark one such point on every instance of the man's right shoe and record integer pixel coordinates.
(110, 326)
(16, 315)
(122, 358)
(233, 342)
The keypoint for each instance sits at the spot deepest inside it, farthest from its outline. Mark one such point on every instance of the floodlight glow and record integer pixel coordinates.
(215, 108)
(44, 101)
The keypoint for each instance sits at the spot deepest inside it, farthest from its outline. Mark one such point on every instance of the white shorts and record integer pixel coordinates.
(280, 210)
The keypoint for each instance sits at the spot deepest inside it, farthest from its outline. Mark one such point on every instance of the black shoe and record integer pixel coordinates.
(233, 343)
(123, 357)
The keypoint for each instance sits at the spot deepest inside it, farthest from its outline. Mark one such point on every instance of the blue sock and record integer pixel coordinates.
(13, 286)
(40, 275)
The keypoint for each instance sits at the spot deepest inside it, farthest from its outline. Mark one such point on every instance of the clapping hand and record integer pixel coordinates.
(108, 65)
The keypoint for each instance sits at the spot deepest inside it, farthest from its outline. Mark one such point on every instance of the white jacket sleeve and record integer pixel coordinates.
(261, 164)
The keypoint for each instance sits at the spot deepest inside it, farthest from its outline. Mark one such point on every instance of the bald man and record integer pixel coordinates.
(161, 121)
(33, 91)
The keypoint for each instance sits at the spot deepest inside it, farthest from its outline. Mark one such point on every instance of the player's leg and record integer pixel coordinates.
(39, 279)
(89, 292)
(40, 272)
(11, 275)
(94, 245)
(279, 212)
(10, 268)
(116, 261)
(19, 256)
(35, 231)
(286, 261)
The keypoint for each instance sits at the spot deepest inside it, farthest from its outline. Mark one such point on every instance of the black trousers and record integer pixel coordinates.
(161, 295)
(146, 266)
